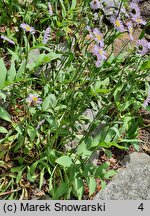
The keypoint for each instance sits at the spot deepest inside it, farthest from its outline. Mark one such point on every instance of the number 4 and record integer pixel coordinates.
(141, 207)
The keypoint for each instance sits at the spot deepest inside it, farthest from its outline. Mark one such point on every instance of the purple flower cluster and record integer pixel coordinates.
(111, 9)
(122, 19)
(135, 18)
(33, 99)
(143, 46)
(27, 28)
(135, 13)
(98, 47)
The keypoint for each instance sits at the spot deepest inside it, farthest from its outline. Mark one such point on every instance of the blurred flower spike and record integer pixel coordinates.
(33, 99)
(50, 9)
(27, 28)
(147, 101)
(97, 46)
(7, 39)
(130, 30)
(46, 35)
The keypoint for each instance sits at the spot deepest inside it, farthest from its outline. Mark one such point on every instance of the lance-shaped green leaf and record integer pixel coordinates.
(4, 115)
(3, 73)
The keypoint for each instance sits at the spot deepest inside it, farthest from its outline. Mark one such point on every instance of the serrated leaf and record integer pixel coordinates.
(64, 161)
(4, 115)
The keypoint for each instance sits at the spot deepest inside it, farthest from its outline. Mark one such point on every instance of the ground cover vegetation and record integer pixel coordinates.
(57, 63)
